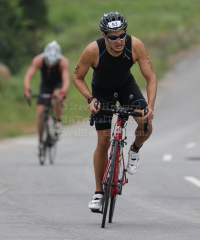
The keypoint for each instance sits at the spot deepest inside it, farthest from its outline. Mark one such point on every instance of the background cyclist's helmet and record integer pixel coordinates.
(113, 21)
(52, 53)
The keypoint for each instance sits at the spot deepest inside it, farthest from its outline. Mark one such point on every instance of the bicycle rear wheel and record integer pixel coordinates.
(107, 193)
(43, 134)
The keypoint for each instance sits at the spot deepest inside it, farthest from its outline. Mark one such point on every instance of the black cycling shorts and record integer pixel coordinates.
(48, 89)
(103, 119)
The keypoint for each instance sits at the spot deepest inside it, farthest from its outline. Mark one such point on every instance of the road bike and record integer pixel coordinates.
(48, 134)
(115, 174)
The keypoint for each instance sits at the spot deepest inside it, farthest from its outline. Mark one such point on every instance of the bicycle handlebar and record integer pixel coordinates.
(114, 110)
(121, 110)
(43, 95)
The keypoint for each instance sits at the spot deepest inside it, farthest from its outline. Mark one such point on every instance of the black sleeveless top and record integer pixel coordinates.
(50, 76)
(113, 72)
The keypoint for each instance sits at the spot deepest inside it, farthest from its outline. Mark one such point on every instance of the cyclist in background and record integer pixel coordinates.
(55, 79)
(111, 58)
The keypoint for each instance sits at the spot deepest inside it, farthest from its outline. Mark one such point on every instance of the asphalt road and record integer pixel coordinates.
(161, 201)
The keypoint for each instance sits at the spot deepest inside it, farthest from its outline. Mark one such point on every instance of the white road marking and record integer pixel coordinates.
(167, 158)
(193, 180)
(190, 145)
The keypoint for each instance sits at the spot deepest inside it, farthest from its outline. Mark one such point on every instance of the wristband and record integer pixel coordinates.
(90, 100)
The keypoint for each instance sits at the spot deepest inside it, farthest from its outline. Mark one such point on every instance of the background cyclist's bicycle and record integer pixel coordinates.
(48, 134)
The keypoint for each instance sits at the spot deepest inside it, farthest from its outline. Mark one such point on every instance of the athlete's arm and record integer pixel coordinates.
(87, 59)
(146, 67)
(65, 70)
(35, 65)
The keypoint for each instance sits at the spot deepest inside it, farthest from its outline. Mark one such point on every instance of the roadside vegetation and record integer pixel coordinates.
(165, 27)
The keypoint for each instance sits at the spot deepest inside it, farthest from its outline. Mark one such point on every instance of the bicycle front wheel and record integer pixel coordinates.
(112, 208)
(53, 142)
(43, 134)
(107, 193)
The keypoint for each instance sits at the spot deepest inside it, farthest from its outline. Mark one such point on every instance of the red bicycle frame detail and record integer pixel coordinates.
(115, 184)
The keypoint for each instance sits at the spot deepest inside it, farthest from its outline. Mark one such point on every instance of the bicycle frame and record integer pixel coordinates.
(114, 177)
(48, 109)
(50, 137)
(116, 187)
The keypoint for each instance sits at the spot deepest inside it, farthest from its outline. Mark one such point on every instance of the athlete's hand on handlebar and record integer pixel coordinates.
(92, 108)
(61, 96)
(28, 94)
(150, 114)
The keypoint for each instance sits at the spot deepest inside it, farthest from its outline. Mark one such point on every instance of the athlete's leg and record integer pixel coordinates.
(140, 136)
(41, 105)
(103, 121)
(101, 156)
(138, 102)
(58, 103)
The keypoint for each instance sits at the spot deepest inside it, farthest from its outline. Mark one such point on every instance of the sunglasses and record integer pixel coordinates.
(114, 38)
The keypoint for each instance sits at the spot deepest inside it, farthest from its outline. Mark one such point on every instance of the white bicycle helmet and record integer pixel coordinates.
(52, 53)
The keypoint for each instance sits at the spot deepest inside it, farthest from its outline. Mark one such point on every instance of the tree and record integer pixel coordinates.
(19, 32)
(36, 11)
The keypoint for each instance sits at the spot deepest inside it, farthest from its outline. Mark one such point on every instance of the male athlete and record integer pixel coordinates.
(111, 58)
(55, 78)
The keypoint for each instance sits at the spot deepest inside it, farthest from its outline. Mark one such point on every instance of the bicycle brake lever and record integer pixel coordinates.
(91, 120)
(28, 101)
